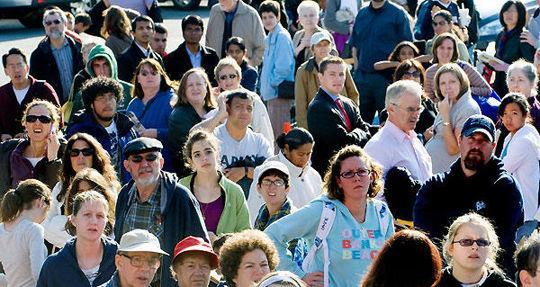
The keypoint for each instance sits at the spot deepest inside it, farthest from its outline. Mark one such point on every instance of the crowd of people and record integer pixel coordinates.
(300, 143)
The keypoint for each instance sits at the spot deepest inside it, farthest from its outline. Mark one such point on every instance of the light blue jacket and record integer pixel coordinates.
(278, 62)
(352, 246)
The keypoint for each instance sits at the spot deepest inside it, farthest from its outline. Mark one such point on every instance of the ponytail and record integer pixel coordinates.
(21, 198)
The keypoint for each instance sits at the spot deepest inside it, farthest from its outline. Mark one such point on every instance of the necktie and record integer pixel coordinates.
(344, 114)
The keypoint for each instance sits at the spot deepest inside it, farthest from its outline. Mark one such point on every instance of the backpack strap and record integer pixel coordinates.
(325, 224)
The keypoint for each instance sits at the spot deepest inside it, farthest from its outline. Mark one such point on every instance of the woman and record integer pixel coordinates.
(470, 249)
(307, 80)
(250, 255)
(116, 30)
(509, 45)
(89, 257)
(235, 48)
(444, 52)
(339, 16)
(222, 201)
(442, 23)
(151, 104)
(392, 266)
(521, 149)
(413, 70)
(403, 51)
(85, 179)
(522, 77)
(194, 104)
(351, 183)
(281, 279)
(38, 154)
(308, 16)
(21, 235)
(295, 147)
(455, 105)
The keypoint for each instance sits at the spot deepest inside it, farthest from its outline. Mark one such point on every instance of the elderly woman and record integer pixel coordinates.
(455, 105)
(38, 154)
(351, 183)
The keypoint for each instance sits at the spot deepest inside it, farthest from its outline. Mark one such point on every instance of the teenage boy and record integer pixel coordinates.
(274, 186)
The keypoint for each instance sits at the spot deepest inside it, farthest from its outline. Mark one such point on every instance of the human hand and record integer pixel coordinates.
(53, 145)
(222, 107)
(537, 59)
(5, 137)
(314, 279)
(527, 37)
(428, 134)
(19, 135)
(235, 173)
(444, 107)
(305, 42)
(499, 66)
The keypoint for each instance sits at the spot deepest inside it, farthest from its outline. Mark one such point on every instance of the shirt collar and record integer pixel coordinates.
(194, 54)
(145, 52)
(399, 134)
(334, 97)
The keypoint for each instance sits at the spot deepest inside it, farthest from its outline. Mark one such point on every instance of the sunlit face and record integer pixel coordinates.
(299, 157)
(145, 172)
(272, 194)
(308, 18)
(269, 20)
(134, 276)
(445, 52)
(253, 267)
(159, 43)
(405, 112)
(228, 79)
(81, 161)
(90, 220)
(101, 67)
(450, 86)
(322, 49)
(469, 258)
(196, 89)
(357, 187)
(38, 131)
(16, 69)
(54, 26)
(406, 53)
(513, 118)
(236, 53)
(440, 25)
(518, 82)
(203, 157)
(144, 31)
(148, 77)
(475, 150)
(240, 112)
(193, 271)
(333, 78)
(511, 16)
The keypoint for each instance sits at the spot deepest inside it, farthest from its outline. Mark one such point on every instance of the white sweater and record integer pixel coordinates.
(54, 224)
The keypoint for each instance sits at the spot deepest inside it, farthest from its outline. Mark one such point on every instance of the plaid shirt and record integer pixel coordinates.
(264, 218)
(145, 215)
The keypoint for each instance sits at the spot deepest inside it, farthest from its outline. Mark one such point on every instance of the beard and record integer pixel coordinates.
(151, 180)
(104, 118)
(55, 34)
(474, 160)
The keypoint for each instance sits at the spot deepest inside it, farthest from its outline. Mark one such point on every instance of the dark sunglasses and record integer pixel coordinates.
(415, 74)
(55, 21)
(85, 151)
(469, 242)
(42, 119)
(139, 158)
(230, 76)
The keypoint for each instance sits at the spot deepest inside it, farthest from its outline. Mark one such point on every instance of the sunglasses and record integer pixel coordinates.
(469, 242)
(139, 158)
(85, 151)
(415, 74)
(230, 76)
(42, 119)
(55, 21)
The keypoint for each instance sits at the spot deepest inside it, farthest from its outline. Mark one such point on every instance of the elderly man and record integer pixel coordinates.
(396, 144)
(193, 261)
(138, 259)
(476, 182)
(155, 201)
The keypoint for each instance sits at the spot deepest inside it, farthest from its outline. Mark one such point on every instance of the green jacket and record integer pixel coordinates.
(235, 216)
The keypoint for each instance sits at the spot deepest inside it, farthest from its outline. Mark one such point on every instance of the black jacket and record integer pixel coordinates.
(43, 65)
(494, 279)
(492, 192)
(177, 62)
(329, 131)
(130, 59)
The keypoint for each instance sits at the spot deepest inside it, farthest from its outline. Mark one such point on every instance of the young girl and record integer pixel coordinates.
(470, 249)
(88, 259)
(21, 235)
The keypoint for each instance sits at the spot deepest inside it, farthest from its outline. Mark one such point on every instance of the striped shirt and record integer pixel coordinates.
(64, 62)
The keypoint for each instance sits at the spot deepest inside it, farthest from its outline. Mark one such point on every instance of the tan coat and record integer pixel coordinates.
(306, 87)
(246, 24)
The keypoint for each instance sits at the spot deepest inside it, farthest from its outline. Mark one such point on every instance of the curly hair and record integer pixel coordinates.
(330, 185)
(165, 83)
(101, 162)
(238, 245)
(209, 101)
(99, 86)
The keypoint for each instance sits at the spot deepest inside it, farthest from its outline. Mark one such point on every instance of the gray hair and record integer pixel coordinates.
(395, 91)
(527, 68)
(308, 4)
(55, 11)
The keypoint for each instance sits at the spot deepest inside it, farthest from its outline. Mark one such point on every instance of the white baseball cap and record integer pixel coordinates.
(140, 240)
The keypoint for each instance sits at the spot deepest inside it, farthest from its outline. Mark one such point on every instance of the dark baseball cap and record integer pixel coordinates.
(142, 144)
(479, 124)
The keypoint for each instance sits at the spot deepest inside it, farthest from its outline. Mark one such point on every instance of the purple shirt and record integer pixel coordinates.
(212, 212)
(535, 111)
(140, 6)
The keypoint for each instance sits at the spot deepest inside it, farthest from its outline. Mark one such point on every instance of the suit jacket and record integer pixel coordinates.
(177, 62)
(329, 131)
(130, 59)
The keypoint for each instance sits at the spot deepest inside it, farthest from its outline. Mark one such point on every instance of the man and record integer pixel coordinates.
(528, 262)
(137, 260)
(142, 29)
(191, 54)
(235, 18)
(396, 144)
(58, 57)
(333, 120)
(82, 23)
(154, 200)
(193, 261)
(101, 62)
(378, 28)
(241, 149)
(100, 119)
(19, 92)
(159, 41)
(477, 183)
(423, 28)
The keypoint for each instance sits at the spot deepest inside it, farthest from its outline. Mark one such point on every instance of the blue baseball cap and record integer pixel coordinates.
(479, 124)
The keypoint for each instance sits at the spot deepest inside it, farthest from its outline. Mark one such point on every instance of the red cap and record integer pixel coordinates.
(192, 243)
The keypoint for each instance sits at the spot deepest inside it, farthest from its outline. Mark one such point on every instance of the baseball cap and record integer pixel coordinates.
(479, 124)
(142, 144)
(316, 38)
(192, 243)
(140, 240)
(268, 165)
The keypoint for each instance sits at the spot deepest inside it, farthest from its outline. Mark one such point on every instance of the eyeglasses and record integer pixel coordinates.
(351, 174)
(139, 261)
(230, 76)
(139, 158)
(42, 119)
(469, 242)
(55, 21)
(440, 23)
(277, 182)
(415, 74)
(411, 110)
(85, 151)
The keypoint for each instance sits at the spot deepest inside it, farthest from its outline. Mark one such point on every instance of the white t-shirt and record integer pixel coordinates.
(34, 160)
(20, 94)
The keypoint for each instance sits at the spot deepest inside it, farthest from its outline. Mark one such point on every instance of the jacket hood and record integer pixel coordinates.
(105, 52)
